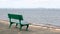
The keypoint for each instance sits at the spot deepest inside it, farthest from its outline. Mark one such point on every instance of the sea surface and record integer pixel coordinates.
(35, 16)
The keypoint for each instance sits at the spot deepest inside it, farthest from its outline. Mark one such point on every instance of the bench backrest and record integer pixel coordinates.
(15, 16)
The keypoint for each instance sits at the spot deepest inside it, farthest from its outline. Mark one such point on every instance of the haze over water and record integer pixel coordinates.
(36, 15)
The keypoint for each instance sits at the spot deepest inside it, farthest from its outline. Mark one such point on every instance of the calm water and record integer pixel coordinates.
(44, 16)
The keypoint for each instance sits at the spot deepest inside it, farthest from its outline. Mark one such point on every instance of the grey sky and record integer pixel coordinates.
(29, 3)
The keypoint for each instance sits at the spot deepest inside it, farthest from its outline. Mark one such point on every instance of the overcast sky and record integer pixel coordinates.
(29, 3)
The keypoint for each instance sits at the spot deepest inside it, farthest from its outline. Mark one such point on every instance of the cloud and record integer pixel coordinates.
(29, 4)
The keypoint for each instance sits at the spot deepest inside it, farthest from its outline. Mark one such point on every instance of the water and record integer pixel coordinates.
(37, 16)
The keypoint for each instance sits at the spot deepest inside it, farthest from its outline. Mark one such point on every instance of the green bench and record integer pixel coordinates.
(17, 17)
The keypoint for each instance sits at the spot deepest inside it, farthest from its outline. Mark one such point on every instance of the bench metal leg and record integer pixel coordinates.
(10, 25)
(27, 27)
(16, 25)
(20, 27)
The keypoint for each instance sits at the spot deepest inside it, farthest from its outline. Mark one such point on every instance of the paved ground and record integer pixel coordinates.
(32, 30)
